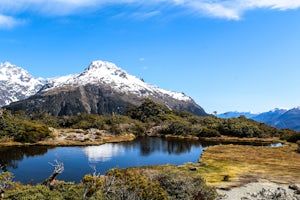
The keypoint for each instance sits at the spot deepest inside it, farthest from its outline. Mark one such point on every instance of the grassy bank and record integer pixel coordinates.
(242, 141)
(231, 165)
(227, 166)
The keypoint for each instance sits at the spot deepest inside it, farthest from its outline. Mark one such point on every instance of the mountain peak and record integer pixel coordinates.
(5, 64)
(12, 73)
(103, 64)
(16, 83)
(102, 70)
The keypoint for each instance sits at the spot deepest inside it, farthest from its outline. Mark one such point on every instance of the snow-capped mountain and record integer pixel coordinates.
(279, 118)
(289, 119)
(16, 84)
(101, 72)
(101, 88)
(270, 117)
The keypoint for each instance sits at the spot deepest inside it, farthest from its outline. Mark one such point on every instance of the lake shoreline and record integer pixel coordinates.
(79, 137)
(215, 162)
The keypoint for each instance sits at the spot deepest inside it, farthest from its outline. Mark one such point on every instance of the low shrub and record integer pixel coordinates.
(183, 186)
(31, 132)
(206, 132)
(289, 135)
(131, 184)
(177, 128)
(38, 192)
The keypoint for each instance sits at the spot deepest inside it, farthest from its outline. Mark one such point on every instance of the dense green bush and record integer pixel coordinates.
(131, 184)
(290, 135)
(240, 127)
(206, 132)
(177, 128)
(21, 129)
(182, 186)
(149, 111)
(30, 132)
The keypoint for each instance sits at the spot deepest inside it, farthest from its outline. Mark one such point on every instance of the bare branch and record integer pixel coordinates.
(58, 167)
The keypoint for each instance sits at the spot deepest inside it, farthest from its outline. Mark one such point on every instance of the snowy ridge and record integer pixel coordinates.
(16, 84)
(279, 110)
(296, 108)
(101, 72)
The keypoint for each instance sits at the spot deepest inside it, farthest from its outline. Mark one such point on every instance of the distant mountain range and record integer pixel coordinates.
(101, 88)
(235, 114)
(279, 118)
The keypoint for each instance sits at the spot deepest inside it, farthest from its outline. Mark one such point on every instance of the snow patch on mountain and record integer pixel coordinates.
(282, 110)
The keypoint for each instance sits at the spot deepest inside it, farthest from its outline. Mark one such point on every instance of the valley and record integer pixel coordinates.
(104, 107)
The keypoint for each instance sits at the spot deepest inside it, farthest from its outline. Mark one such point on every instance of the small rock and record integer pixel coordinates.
(226, 178)
(295, 188)
(193, 169)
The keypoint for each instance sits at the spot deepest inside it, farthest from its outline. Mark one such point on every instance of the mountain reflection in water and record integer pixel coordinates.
(10, 156)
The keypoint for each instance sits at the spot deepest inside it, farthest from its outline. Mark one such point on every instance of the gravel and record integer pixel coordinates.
(261, 190)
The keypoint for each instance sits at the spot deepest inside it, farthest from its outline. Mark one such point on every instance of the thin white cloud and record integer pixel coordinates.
(145, 15)
(274, 4)
(228, 9)
(8, 22)
(234, 9)
(219, 10)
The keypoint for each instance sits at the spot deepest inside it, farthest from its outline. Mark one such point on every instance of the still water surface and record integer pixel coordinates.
(31, 164)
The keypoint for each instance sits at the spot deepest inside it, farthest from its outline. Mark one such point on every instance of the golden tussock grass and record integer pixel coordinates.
(279, 164)
(237, 140)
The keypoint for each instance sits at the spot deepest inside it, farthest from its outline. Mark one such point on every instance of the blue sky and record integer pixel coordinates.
(228, 55)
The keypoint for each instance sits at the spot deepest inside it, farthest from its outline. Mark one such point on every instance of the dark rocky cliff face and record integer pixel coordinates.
(96, 99)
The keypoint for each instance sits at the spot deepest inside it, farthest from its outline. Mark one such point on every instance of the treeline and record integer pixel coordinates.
(139, 120)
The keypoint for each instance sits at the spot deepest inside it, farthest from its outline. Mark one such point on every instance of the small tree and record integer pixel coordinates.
(58, 169)
(215, 113)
